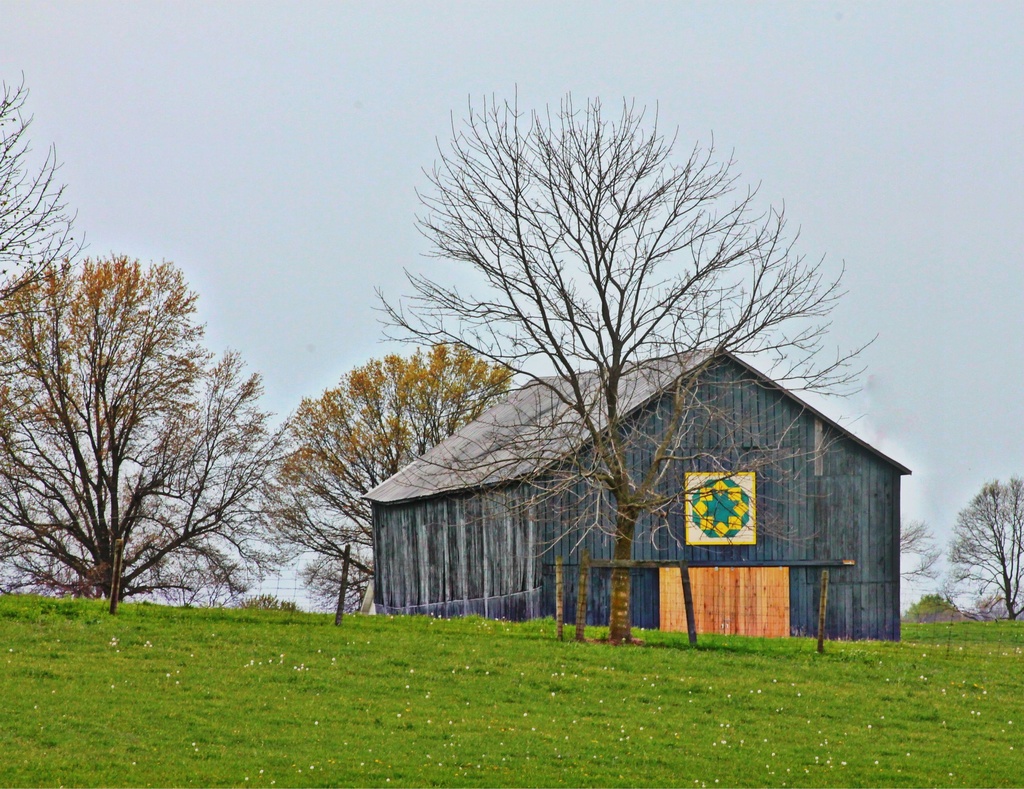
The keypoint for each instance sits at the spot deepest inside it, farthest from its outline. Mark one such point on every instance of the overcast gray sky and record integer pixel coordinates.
(272, 150)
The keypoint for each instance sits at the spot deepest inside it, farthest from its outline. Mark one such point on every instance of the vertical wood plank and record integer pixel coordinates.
(750, 601)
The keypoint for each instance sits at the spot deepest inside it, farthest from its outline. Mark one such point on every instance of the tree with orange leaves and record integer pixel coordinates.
(123, 442)
(379, 417)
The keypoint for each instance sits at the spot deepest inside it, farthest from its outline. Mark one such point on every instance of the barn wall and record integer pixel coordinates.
(468, 554)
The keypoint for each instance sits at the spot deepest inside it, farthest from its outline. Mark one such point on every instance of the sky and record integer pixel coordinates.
(273, 152)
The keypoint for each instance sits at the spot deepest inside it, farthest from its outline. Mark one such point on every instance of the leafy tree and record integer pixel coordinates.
(932, 608)
(379, 417)
(917, 544)
(987, 551)
(592, 259)
(35, 227)
(117, 425)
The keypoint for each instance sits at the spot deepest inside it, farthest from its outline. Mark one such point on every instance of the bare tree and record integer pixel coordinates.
(594, 261)
(917, 544)
(987, 551)
(118, 427)
(35, 227)
(379, 417)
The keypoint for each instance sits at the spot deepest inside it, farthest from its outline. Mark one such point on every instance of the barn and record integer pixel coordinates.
(777, 493)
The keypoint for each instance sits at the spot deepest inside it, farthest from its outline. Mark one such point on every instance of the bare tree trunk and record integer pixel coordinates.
(619, 625)
(1009, 597)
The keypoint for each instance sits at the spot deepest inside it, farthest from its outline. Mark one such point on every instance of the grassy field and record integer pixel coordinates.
(177, 697)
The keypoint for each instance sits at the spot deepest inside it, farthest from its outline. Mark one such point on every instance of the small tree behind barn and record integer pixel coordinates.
(380, 416)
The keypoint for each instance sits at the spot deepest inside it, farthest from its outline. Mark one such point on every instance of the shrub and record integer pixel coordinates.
(268, 602)
(933, 608)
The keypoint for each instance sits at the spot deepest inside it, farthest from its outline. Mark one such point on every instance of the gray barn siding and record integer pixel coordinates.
(453, 556)
(645, 595)
(473, 553)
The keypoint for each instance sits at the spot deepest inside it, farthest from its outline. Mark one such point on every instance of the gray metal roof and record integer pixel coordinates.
(534, 428)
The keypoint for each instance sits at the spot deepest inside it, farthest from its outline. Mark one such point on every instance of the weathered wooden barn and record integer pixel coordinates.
(473, 528)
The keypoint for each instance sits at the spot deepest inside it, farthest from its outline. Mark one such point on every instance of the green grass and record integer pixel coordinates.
(177, 697)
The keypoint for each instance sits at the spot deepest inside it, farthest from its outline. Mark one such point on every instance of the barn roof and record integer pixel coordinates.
(535, 427)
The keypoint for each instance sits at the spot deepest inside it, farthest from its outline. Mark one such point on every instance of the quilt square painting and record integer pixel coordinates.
(721, 509)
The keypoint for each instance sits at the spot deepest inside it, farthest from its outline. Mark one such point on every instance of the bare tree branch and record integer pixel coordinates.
(596, 264)
(917, 544)
(35, 226)
(116, 424)
(987, 552)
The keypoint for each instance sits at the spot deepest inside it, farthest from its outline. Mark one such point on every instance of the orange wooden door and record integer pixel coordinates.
(746, 601)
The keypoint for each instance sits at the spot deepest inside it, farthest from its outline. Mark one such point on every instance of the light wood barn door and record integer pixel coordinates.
(746, 601)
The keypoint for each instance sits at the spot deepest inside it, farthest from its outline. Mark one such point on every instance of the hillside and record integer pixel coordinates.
(162, 696)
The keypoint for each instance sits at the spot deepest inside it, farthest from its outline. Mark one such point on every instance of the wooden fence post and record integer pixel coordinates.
(821, 611)
(344, 585)
(559, 598)
(115, 575)
(691, 625)
(581, 595)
